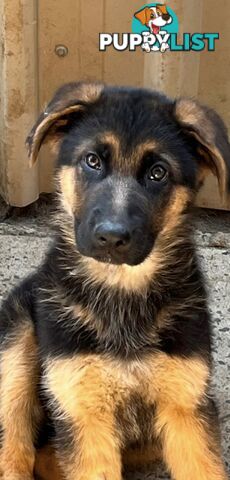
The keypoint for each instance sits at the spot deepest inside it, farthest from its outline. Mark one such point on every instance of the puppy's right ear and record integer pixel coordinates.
(51, 124)
(141, 15)
(211, 139)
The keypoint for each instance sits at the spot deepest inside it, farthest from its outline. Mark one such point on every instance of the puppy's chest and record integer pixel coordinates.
(130, 387)
(135, 413)
(135, 419)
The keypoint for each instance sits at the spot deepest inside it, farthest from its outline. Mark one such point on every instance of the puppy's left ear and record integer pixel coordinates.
(210, 133)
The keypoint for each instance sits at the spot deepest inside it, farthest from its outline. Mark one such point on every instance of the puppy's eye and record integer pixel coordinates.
(152, 15)
(158, 173)
(93, 161)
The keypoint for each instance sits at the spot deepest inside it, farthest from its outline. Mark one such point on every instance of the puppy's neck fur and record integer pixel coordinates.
(169, 261)
(127, 309)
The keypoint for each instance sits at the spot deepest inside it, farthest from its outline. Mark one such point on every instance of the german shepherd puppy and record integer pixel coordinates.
(111, 335)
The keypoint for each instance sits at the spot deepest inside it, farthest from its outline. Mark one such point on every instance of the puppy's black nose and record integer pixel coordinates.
(112, 235)
(166, 16)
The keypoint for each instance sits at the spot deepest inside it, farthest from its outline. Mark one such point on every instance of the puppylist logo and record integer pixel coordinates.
(155, 28)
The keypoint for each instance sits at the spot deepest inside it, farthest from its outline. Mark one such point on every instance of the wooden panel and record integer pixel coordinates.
(124, 68)
(92, 16)
(18, 92)
(80, 33)
(214, 85)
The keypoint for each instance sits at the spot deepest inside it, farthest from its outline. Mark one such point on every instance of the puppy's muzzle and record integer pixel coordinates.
(112, 237)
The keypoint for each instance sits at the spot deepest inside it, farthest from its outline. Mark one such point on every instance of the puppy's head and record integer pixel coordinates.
(152, 17)
(130, 162)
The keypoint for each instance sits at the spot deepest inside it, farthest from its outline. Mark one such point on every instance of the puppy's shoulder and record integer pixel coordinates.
(17, 308)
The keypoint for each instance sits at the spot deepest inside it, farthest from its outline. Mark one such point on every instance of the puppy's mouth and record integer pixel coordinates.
(113, 258)
(105, 259)
(154, 29)
(157, 24)
(110, 259)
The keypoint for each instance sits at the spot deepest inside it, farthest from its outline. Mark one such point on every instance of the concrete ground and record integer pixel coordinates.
(24, 236)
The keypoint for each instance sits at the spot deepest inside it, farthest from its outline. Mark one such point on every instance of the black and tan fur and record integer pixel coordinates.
(111, 347)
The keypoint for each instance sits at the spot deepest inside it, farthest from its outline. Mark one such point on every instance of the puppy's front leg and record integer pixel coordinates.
(187, 421)
(20, 409)
(83, 406)
(190, 447)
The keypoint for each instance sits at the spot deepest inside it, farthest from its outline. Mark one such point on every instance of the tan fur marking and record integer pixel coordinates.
(204, 171)
(130, 278)
(68, 186)
(183, 381)
(217, 167)
(146, 147)
(130, 166)
(176, 385)
(20, 410)
(187, 445)
(220, 170)
(111, 139)
(90, 410)
(181, 198)
(138, 153)
(188, 112)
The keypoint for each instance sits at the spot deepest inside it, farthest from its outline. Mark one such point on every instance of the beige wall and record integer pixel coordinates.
(30, 71)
